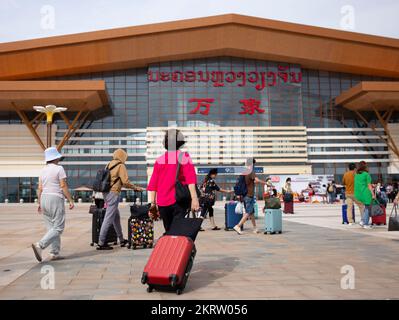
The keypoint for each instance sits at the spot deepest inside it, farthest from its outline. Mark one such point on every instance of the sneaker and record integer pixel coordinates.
(201, 229)
(37, 251)
(256, 231)
(124, 243)
(361, 223)
(237, 229)
(352, 224)
(104, 247)
(54, 257)
(367, 226)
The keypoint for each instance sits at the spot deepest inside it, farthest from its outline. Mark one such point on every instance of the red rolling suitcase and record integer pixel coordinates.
(170, 263)
(380, 220)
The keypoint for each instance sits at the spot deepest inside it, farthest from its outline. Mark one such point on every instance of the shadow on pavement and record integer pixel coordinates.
(91, 253)
(206, 272)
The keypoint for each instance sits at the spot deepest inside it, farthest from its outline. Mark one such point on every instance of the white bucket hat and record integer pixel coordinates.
(51, 154)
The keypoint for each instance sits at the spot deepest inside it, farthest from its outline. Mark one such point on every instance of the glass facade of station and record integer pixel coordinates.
(226, 90)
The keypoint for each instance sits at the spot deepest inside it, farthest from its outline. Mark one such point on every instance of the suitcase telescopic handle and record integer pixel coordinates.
(141, 196)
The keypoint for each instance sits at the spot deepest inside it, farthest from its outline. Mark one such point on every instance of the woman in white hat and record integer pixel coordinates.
(51, 192)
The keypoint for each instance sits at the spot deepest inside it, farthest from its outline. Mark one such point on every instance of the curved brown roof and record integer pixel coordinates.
(370, 95)
(225, 35)
(86, 95)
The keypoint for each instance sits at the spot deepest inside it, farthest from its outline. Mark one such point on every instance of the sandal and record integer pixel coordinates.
(215, 228)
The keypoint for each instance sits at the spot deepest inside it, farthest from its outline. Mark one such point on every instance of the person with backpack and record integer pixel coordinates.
(331, 192)
(381, 193)
(208, 196)
(245, 190)
(171, 170)
(116, 178)
(51, 193)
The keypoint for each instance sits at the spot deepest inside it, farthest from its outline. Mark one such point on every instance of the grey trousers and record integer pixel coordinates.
(54, 218)
(112, 217)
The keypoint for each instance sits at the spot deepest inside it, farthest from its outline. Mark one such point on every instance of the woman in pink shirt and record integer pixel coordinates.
(162, 183)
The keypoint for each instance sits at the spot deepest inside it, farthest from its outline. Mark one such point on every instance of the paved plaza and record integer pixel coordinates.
(302, 263)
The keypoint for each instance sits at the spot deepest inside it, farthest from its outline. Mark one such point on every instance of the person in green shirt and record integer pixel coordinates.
(364, 192)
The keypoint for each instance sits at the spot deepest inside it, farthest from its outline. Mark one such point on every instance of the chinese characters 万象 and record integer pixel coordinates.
(249, 106)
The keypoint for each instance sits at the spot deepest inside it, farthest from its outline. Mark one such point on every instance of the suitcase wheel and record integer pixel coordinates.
(179, 291)
(173, 280)
(150, 289)
(144, 278)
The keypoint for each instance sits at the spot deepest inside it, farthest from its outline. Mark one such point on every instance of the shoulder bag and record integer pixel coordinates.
(376, 208)
(393, 224)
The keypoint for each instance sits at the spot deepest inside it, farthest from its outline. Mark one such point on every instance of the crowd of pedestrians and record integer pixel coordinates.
(360, 190)
(175, 168)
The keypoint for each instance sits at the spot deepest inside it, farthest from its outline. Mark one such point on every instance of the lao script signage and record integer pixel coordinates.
(259, 79)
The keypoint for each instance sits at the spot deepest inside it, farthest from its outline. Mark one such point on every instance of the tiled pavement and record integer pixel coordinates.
(303, 263)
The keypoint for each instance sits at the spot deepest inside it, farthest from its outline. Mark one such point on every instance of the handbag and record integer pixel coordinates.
(376, 209)
(393, 224)
(182, 193)
(272, 203)
(93, 209)
(239, 208)
(139, 210)
(187, 227)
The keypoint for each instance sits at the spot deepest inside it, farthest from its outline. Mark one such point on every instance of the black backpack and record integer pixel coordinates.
(240, 189)
(102, 183)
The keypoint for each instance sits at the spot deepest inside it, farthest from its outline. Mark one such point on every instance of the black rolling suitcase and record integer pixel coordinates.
(140, 226)
(97, 221)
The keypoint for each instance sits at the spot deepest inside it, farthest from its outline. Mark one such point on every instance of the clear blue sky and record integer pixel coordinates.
(24, 19)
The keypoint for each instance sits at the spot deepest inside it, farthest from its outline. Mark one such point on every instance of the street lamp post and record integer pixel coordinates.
(49, 110)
